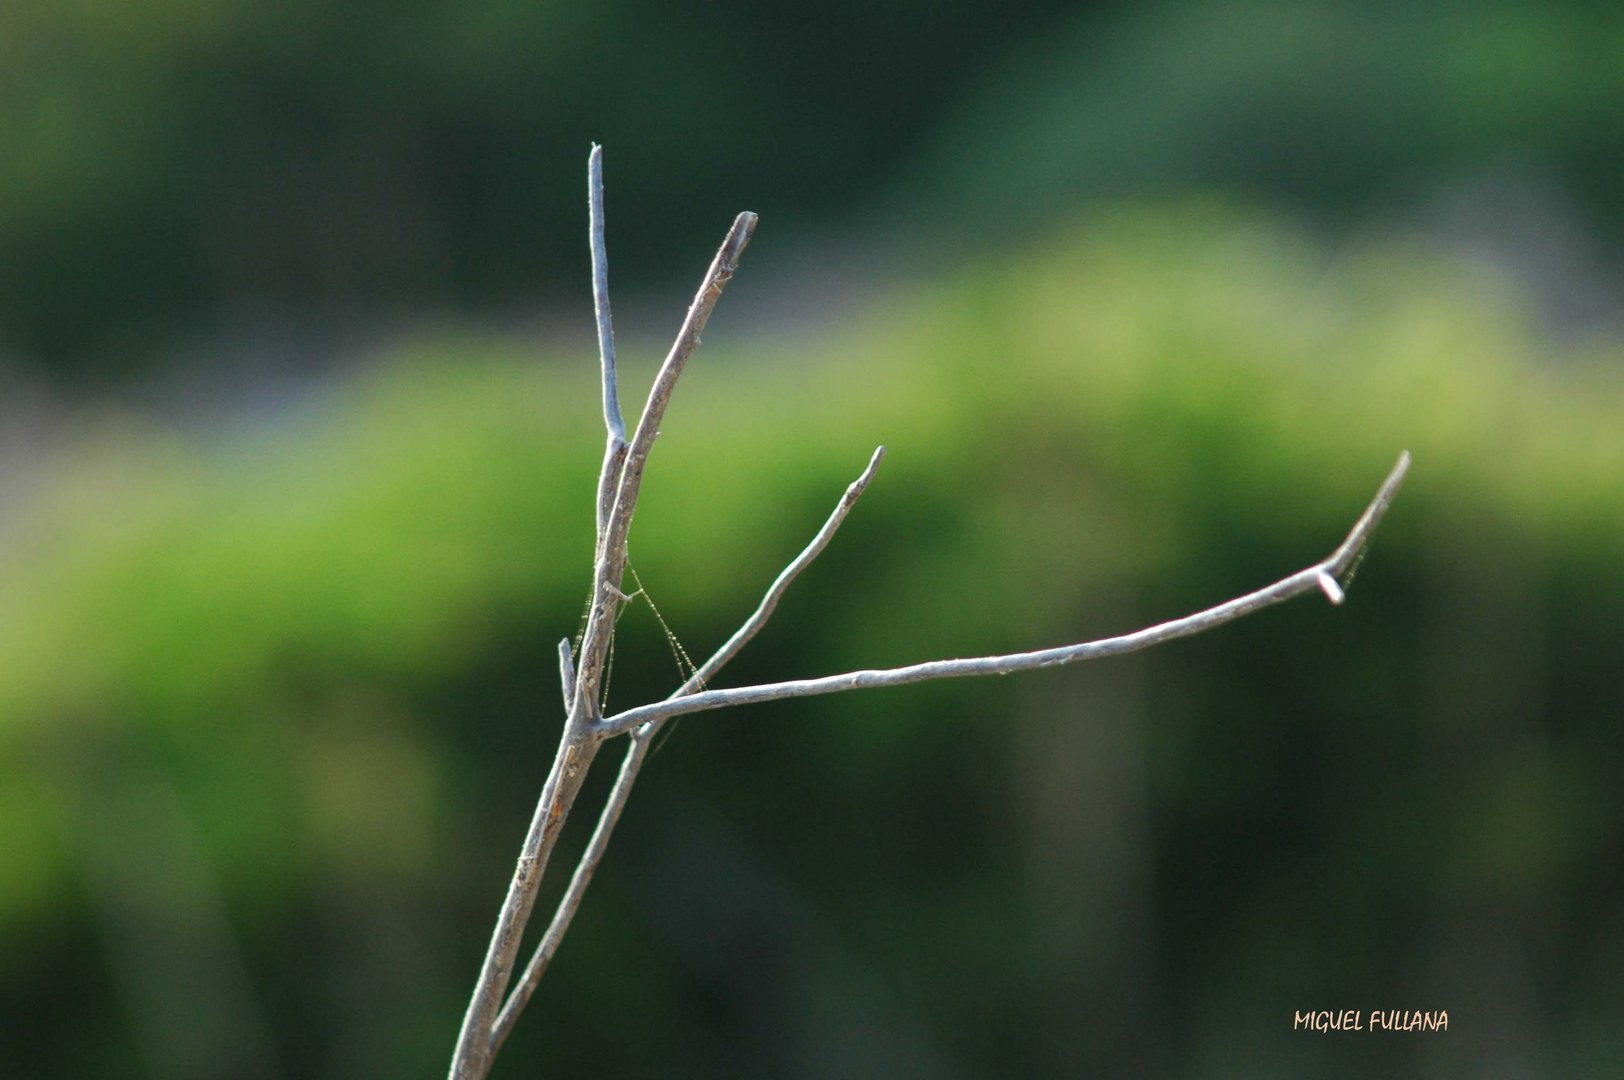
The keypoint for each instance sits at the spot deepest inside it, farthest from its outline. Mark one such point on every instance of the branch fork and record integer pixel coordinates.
(493, 1010)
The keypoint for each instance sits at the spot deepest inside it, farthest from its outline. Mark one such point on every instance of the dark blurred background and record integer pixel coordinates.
(298, 436)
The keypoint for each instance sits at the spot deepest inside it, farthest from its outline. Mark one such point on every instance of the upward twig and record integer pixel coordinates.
(611, 559)
(614, 451)
(600, 295)
(775, 592)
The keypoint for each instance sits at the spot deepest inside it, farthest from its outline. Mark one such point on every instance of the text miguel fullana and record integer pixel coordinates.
(1379, 1020)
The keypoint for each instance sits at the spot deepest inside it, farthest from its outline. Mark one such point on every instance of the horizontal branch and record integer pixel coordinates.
(1307, 580)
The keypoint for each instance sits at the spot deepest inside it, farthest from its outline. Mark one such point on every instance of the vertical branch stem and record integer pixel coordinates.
(472, 1058)
(600, 295)
(614, 452)
(619, 482)
(637, 747)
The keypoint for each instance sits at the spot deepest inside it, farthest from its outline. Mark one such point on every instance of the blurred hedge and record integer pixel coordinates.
(199, 171)
(202, 168)
(1341, 111)
(325, 644)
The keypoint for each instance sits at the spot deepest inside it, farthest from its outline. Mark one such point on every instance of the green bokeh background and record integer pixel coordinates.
(1144, 301)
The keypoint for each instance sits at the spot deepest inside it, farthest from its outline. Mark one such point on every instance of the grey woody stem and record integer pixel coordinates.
(611, 561)
(637, 748)
(488, 1020)
(1301, 582)
(614, 451)
(600, 295)
(775, 592)
(636, 752)
(619, 482)
(472, 1058)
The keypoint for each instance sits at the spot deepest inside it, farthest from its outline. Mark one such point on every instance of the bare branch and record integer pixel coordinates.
(637, 751)
(721, 271)
(611, 560)
(471, 1058)
(489, 1019)
(566, 671)
(775, 592)
(614, 457)
(614, 451)
(1348, 552)
(618, 484)
(1295, 585)
(600, 295)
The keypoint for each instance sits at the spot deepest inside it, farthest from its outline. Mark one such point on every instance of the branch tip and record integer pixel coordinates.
(1359, 536)
(600, 295)
(738, 238)
(860, 485)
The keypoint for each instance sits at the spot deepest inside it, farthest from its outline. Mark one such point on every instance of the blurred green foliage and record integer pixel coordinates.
(329, 639)
(228, 163)
(1338, 110)
(203, 169)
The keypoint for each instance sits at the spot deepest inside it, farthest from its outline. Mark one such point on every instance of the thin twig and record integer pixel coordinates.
(600, 294)
(637, 752)
(611, 561)
(622, 474)
(614, 458)
(1348, 552)
(721, 271)
(471, 1059)
(614, 452)
(775, 592)
(1295, 585)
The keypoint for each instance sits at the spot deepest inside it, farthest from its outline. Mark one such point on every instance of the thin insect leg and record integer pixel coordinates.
(609, 661)
(608, 669)
(685, 663)
(665, 735)
(580, 631)
(1353, 568)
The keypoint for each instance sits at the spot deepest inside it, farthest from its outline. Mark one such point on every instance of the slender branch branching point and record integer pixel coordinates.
(637, 749)
(619, 482)
(492, 1010)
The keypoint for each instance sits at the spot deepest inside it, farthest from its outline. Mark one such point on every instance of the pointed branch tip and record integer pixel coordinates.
(1359, 536)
